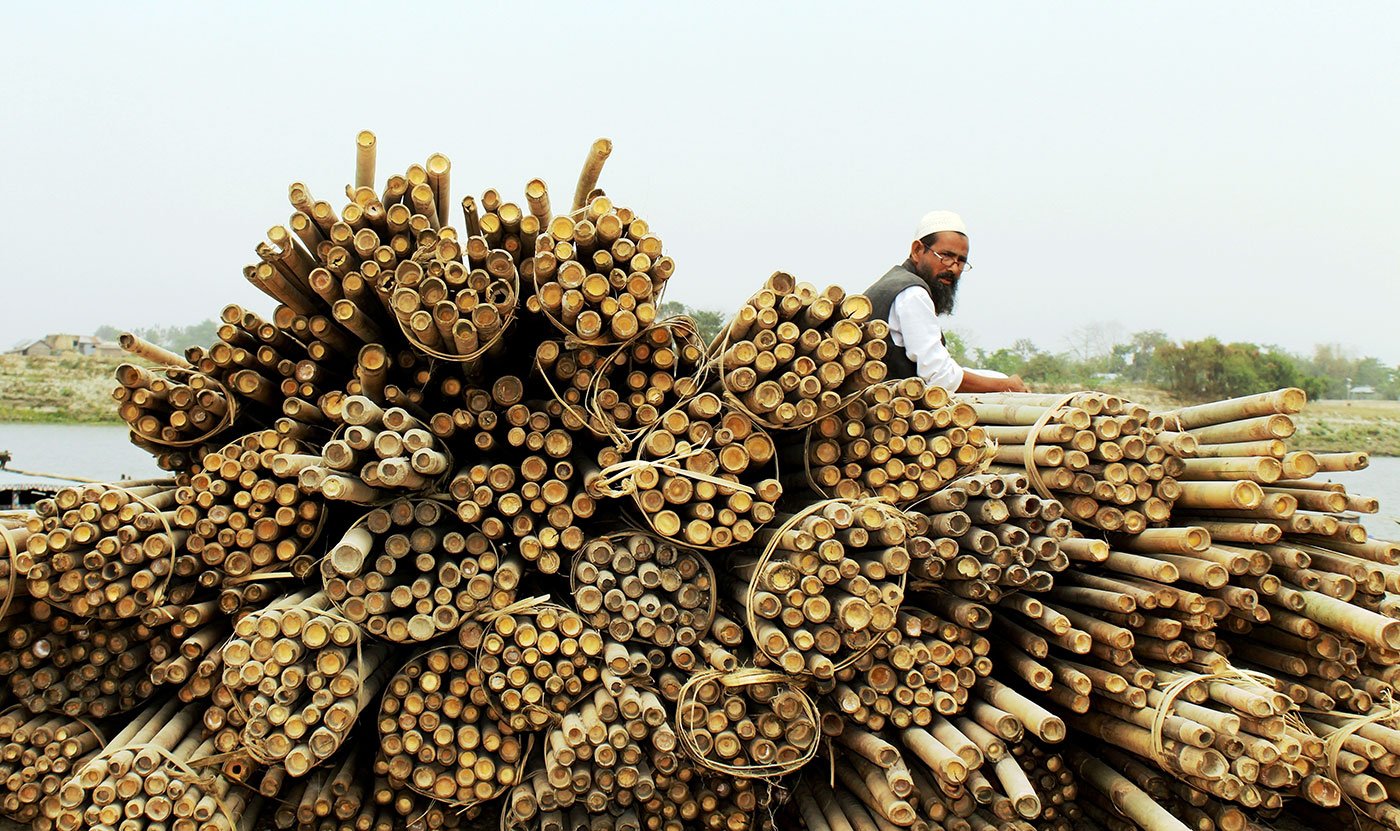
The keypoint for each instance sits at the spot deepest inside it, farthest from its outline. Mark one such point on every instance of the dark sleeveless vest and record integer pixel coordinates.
(882, 295)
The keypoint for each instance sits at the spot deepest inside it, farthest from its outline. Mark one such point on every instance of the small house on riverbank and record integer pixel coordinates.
(65, 344)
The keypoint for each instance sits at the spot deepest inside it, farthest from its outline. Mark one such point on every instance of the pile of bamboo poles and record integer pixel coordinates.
(638, 587)
(978, 664)
(827, 585)
(1098, 454)
(986, 535)
(301, 674)
(411, 571)
(792, 354)
(598, 272)
(106, 551)
(900, 440)
(700, 476)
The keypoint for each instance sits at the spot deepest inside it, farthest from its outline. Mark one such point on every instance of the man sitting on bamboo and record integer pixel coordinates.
(912, 296)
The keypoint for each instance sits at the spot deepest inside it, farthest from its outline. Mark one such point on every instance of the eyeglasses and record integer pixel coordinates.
(951, 259)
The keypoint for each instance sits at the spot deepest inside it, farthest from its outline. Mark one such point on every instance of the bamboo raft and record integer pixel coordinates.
(464, 534)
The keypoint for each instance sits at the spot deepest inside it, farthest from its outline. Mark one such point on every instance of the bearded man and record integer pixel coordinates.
(911, 296)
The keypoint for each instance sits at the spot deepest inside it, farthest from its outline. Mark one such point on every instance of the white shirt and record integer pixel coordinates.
(914, 326)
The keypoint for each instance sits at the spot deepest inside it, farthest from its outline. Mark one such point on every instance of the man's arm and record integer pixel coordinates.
(977, 382)
(914, 326)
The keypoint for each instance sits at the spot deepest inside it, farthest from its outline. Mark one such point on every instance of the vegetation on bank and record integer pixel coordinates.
(69, 388)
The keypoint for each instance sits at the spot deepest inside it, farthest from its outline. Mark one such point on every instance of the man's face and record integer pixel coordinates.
(941, 266)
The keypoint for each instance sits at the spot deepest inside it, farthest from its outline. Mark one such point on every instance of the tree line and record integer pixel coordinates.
(1203, 369)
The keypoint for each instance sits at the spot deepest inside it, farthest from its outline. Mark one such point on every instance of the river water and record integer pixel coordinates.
(103, 452)
(89, 451)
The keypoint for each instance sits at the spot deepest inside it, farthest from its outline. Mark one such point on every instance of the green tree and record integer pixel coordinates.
(957, 346)
(174, 338)
(708, 321)
(1207, 369)
(1333, 367)
(1141, 356)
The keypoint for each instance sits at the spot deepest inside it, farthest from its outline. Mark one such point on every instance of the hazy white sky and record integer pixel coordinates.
(1199, 168)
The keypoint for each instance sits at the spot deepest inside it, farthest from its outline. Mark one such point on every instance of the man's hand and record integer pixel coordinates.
(1015, 384)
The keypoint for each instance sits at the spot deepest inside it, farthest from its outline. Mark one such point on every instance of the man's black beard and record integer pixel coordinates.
(944, 296)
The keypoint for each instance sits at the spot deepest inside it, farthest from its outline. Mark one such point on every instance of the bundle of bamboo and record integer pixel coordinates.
(243, 519)
(81, 667)
(827, 586)
(1101, 454)
(689, 797)
(525, 483)
(699, 476)
(350, 794)
(792, 354)
(537, 658)
(599, 273)
(107, 551)
(179, 408)
(302, 675)
(377, 453)
(747, 723)
(454, 307)
(603, 753)
(921, 671)
(143, 779)
(635, 586)
(410, 571)
(968, 772)
(39, 753)
(438, 732)
(899, 440)
(622, 391)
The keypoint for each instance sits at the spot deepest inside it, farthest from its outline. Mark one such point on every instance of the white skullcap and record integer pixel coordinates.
(935, 221)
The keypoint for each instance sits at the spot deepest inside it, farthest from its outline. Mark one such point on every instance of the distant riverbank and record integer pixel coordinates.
(78, 390)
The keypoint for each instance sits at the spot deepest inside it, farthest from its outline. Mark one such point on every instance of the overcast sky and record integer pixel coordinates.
(1226, 169)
